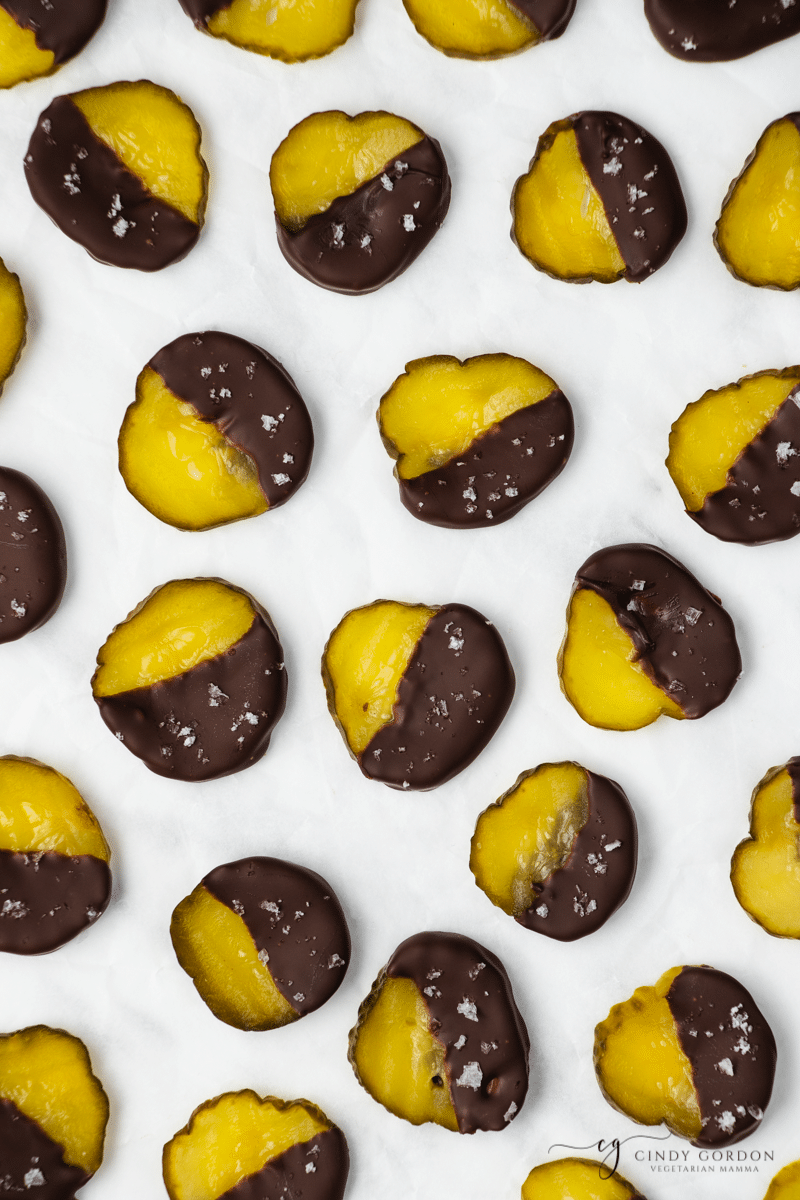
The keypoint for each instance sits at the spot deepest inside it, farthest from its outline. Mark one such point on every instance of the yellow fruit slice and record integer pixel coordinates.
(41, 810)
(472, 28)
(20, 57)
(290, 30)
(765, 871)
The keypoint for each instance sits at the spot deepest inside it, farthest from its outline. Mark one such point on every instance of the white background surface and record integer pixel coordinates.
(629, 358)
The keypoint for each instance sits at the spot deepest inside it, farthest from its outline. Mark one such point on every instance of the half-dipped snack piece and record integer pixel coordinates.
(734, 456)
(240, 1147)
(357, 198)
(693, 1052)
(264, 941)
(38, 36)
(475, 29)
(54, 874)
(786, 1184)
(218, 432)
(416, 691)
(280, 29)
(118, 169)
(439, 1038)
(13, 320)
(577, 1179)
(758, 232)
(765, 870)
(601, 201)
(193, 680)
(557, 851)
(33, 556)
(474, 440)
(644, 637)
(53, 1114)
(718, 31)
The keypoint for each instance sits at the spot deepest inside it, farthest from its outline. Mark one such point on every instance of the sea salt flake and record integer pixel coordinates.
(542, 911)
(33, 1178)
(612, 167)
(310, 1168)
(16, 909)
(455, 643)
(459, 1045)
(18, 609)
(784, 451)
(471, 1076)
(269, 423)
(509, 1113)
(795, 488)
(468, 1009)
(726, 1121)
(688, 44)
(335, 960)
(612, 846)
(271, 907)
(725, 1066)
(338, 235)
(280, 479)
(263, 957)
(121, 227)
(409, 224)
(387, 183)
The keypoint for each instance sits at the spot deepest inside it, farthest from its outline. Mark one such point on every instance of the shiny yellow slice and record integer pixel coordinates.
(559, 220)
(786, 1184)
(155, 135)
(47, 1074)
(599, 674)
(290, 30)
(178, 626)
(330, 154)
(364, 662)
(576, 1179)
(472, 28)
(234, 1136)
(765, 871)
(529, 833)
(397, 1058)
(13, 316)
(711, 434)
(433, 412)
(640, 1065)
(20, 57)
(758, 233)
(40, 810)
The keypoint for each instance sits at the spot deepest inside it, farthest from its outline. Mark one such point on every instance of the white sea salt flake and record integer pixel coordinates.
(387, 183)
(33, 1178)
(459, 1045)
(281, 479)
(542, 911)
(612, 167)
(725, 1066)
(468, 1009)
(726, 1121)
(784, 451)
(509, 1113)
(409, 224)
(471, 1076)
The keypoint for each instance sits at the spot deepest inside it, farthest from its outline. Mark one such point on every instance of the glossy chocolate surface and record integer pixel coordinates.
(716, 30)
(251, 400)
(685, 640)
(501, 471)
(453, 695)
(201, 11)
(95, 200)
(793, 767)
(61, 26)
(638, 185)
(313, 1170)
(47, 898)
(598, 875)
(293, 916)
(731, 1049)
(33, 556)
(368, 238)
(32, 1164)
(550, 17)
(472, 1012)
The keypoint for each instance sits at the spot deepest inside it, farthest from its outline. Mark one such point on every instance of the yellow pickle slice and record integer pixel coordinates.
(477, 29)
(577, 1179)
(13, 320)
(283, 29)
(36, 39)
(765, 870)
(786, 1184)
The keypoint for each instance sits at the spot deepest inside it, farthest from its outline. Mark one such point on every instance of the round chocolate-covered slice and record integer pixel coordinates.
(440, 1038)
(644, 638)
(281, 29)
(33, 556)
(416, 691)
(38, 36)
(118, 169)
(694, 1052)
(475, 440)
(577, 1179)
(718, 30)
(601, 201)
(558, 850)
(193, 681)
(474, 29)
(13, 322)
(357, 198)
(765, 869)
(218, 432)
(264, 941)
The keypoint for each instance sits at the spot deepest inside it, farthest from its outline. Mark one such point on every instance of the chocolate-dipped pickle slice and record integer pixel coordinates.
(240, 1147)
(36, 38)
(193, 680)
(280, 29)
(13, 320)
(416, 692)
(557, 851)
(718, 31)
(475, 29)
(264, 941)
(119, 170)
(53, 1114)
(601, 201)
(644, 638)
(33, 556)
(734, 456)
(693, 1052)
(218, 432)
(357, 198)
(765, 869)
(474, 440)
(439, 1038)
(786, 1184)
(577, 1179)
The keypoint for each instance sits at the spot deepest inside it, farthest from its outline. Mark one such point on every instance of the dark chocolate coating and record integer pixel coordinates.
(731, 1049)
(211, 721)
(501, 471)
(293, 915)
(685, 640)
(757, 504)
(313, 1170)
(718, 31)
(454, 693)
(47, 898)
(250, 398)
(31, 1163)
(472, 1012)
(33, 556)
(550, 17)
(201, 11)
(638, 185)
(361, 241)
(598, 875)
(793, 767)
(95, 200)
(62, 26)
